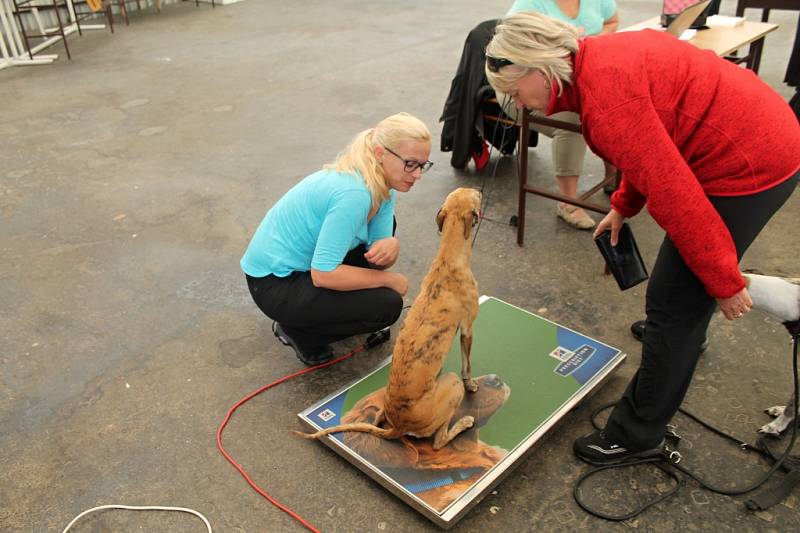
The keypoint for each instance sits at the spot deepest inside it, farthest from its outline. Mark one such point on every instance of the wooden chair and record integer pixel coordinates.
(525, 189)
(766, 6)
(472, 116)
(90, 11)
(754, 57)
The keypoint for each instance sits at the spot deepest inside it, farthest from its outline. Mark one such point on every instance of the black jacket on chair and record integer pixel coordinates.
(470, 94)
(460, 111)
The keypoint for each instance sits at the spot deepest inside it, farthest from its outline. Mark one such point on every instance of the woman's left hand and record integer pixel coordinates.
(383, 253)
(737, 305)
(612, 222)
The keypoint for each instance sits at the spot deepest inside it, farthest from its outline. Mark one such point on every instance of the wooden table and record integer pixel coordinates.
(725, 41)
(722, 41)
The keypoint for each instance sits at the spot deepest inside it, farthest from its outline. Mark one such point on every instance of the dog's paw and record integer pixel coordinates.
(775, 411)
(470, 385)
(777, 426)
(771, 429)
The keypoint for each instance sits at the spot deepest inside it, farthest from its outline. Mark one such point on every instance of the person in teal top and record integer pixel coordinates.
(318, 264)
(334, 207)
(591, 17)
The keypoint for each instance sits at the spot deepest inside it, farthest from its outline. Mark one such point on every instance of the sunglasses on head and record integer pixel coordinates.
(494, 64)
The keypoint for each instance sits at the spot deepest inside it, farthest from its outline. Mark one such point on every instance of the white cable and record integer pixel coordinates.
(139, 508)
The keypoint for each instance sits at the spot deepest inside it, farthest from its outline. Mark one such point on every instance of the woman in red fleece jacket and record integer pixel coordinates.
(711, 150)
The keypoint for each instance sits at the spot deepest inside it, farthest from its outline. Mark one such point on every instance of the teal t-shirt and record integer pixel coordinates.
(591, 14)
(315, 224)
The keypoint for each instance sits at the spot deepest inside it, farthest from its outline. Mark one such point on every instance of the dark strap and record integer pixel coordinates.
(769, 496)
(668, 461)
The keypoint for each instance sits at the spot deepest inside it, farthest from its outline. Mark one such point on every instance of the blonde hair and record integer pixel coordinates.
(359, 156)
(531, 40)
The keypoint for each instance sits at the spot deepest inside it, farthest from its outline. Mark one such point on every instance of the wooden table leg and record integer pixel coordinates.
(755, 55)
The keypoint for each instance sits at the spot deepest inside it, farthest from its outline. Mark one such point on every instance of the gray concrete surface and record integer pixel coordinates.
(131, 179)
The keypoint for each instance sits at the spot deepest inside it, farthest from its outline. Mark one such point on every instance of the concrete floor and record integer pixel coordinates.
(131, 180)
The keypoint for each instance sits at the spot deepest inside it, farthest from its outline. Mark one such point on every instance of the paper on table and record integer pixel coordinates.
(722, 21)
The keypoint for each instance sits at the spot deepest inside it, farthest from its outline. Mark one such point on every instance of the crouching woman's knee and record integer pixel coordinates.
(388, 306)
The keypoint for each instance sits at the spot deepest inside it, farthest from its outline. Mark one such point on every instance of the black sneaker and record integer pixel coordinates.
(637, 330)
(597, 449)
(308, 355)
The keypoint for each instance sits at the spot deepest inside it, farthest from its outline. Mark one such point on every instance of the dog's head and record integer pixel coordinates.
(463, 205)
(464, 451)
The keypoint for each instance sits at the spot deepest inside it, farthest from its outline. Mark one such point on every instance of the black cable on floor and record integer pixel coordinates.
(669, 461)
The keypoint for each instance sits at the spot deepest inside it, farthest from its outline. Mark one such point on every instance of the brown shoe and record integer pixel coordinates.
(575, 216)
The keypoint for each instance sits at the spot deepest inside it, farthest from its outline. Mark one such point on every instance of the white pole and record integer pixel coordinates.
(17, 56)
(12, 34)
(38, 20)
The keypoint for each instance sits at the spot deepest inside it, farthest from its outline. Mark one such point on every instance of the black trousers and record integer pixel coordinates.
(314, 316)
(678, 312)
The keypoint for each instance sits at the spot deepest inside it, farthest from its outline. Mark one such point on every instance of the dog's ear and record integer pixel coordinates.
(440, 215)
(469, 222)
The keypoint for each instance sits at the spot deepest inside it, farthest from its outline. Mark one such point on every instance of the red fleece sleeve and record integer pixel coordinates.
(627, 200)
(633, 137)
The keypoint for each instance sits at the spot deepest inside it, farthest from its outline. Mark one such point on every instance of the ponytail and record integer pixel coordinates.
(359, 156)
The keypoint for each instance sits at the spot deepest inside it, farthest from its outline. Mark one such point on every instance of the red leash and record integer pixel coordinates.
(250, 396)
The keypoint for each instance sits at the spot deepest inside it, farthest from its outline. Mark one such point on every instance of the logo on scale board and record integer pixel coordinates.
(326, 415)
(574, 360)
(562, 354)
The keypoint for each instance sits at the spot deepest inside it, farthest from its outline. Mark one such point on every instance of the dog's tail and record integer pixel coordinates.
(360, 427)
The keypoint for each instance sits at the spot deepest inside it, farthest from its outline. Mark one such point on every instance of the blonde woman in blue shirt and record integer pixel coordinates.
(591, 17)
(318, 263)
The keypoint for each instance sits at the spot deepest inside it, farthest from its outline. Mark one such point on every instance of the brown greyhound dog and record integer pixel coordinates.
(419, 402)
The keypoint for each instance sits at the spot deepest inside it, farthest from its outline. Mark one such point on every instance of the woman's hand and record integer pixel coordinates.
(737, 305)
(398, 283)
(383, 253)
(613, 221)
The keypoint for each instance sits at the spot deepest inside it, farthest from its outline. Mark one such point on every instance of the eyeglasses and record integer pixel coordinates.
(409, 165)
(494, 64)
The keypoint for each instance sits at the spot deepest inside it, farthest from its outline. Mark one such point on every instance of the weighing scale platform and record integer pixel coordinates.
(531, 372)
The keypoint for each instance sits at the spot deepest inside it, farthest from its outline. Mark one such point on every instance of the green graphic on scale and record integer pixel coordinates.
(531, 372)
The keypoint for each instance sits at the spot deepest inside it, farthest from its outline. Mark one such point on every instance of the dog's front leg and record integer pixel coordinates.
(783, 419)
(466, 370)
